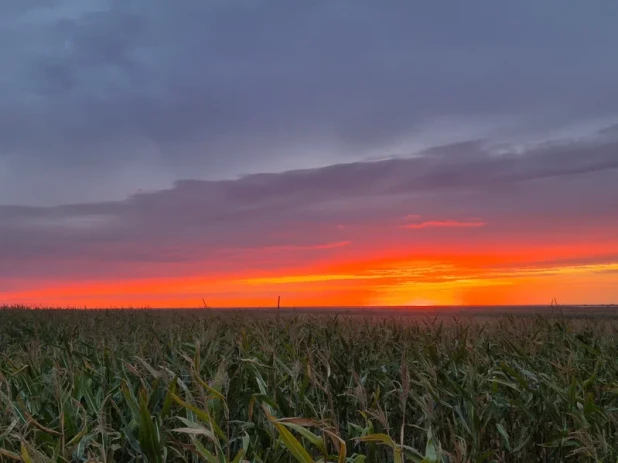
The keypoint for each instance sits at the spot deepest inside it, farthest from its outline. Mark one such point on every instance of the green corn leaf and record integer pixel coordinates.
(148, 435)
(288, 439)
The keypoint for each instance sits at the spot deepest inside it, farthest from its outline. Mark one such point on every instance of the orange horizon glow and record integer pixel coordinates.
(441, 279)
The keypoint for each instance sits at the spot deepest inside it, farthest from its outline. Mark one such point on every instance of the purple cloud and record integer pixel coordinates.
(565, 189)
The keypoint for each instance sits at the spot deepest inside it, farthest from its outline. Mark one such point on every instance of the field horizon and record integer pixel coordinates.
(403, 310)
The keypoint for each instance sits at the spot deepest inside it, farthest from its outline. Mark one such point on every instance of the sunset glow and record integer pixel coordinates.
(328, 279)
(332, 153)
(523, 257)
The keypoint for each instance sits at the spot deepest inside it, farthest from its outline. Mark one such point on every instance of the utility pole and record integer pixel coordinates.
(278, 308)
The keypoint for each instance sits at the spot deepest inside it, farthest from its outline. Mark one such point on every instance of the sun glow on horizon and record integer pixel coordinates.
(389, 282)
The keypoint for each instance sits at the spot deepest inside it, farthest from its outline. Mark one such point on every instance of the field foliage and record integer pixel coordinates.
(248, 386)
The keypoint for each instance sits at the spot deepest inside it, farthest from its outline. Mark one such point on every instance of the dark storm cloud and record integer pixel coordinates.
(117, 96)
(566, 188)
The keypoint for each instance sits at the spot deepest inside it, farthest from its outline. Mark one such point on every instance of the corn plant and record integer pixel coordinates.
(232, 387)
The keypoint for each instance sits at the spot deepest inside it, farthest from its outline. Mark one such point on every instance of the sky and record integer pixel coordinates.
(339, 153)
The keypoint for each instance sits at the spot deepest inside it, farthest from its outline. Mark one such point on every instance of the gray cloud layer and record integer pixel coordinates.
(99, 98)
(547, 194)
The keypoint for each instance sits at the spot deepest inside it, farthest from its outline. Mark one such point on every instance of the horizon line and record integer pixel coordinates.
(321, 307)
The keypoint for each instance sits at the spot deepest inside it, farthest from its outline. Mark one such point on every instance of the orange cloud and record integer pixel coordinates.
(313, 247)
(305, 279)
(444, 223)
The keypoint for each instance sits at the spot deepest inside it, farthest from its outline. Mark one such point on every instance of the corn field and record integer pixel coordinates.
(222, 387)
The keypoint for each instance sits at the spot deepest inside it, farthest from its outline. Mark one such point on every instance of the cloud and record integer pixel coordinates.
(335, 245)
(562, 194)
(444, 224)
(121, 96)
(290, 279)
